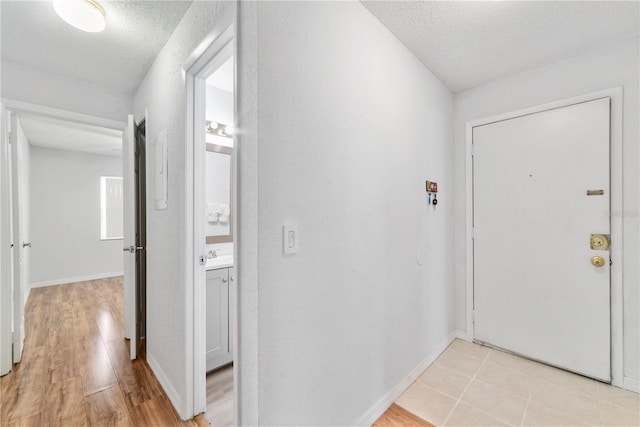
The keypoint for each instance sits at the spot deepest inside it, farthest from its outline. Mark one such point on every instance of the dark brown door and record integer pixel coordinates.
(141, 237)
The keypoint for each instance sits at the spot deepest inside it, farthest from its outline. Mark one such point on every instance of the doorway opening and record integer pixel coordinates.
(212, 263)
(65, 221)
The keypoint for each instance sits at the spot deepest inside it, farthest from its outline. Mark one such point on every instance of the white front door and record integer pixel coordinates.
(536, 291)
(129, 240)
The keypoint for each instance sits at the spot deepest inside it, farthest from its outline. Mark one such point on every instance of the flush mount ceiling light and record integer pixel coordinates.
(85, 15)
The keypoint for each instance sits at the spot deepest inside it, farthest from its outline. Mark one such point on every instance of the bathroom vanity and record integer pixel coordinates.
(220, 284)
(220, 293)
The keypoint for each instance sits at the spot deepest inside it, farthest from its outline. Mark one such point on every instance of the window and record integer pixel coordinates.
(111, 215)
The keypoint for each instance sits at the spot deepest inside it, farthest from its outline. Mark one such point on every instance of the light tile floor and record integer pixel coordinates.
(472, 385)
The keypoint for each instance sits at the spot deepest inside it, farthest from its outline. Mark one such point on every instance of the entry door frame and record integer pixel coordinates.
(616, 209)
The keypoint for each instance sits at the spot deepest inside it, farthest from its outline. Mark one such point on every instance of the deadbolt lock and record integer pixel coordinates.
(597, 261)
(600, 242)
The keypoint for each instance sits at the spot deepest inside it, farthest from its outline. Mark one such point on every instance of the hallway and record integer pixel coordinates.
(75, 368)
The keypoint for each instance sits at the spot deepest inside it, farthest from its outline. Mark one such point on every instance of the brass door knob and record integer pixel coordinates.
(597, 261)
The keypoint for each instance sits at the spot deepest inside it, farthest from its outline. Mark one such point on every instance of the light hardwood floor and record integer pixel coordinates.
(75, 368)
(220, 397)
(397, 416)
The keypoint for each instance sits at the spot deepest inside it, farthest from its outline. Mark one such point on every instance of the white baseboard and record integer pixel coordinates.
(369, 417)
(168, 388)
(631, 384)
(462, 335)
(75, 279)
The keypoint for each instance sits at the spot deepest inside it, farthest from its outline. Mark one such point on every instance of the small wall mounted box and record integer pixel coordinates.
(432, 187)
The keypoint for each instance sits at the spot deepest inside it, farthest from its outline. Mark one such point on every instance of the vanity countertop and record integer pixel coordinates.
(222, 261)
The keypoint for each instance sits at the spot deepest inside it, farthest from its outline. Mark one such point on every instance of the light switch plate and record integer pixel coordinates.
(290, 238)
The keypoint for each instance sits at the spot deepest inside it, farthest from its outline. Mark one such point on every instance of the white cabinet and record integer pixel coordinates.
(220, 293)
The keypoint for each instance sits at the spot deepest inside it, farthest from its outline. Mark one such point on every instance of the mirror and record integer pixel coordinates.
(218, 201)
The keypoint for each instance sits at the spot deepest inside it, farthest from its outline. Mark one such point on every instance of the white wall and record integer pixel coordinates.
(65, 217)
(576, 76)
(351, 125)
(219, 105)
(163, 94)
(27, 84)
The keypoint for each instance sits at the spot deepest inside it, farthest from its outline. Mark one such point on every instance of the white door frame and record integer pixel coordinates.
(56, 113)
(6, 303)
(211, 53)
(19, 284)
(617, 373)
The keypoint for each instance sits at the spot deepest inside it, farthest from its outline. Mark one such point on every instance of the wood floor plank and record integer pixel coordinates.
(110, 328)
(95, 367)
(64, 363)
(78, 419)
(154, 412)
(63, 400)
(396, 416)
(135, 380)
(23, 402)
(32, 421)
(107, 408)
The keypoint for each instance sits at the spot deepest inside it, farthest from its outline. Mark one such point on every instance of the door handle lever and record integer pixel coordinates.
(26, 245)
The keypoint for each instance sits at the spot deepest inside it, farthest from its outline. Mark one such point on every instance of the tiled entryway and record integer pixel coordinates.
(472, 385)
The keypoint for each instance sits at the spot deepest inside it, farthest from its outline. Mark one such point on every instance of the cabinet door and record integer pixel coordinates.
(217, 318)
(232, 306)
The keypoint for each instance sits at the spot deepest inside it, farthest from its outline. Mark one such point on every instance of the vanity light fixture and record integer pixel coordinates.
(85, 15)
(218, 129)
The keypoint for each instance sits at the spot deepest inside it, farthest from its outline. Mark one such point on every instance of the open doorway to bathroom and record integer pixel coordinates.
(218, 219)
(210, 78)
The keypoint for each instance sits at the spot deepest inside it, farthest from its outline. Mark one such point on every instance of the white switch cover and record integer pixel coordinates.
(290, 238)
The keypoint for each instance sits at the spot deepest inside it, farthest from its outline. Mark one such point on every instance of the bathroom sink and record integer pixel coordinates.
(220, 261)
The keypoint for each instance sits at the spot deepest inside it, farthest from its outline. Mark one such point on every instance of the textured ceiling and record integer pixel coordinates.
(469, 43)
(117, 58)
(62, 135)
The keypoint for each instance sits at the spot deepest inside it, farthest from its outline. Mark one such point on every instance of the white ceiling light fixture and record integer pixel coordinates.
(85, 15)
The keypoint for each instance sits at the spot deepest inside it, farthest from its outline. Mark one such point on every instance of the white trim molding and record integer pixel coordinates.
(616, 96)
(163, 379)
(68, 280)
(369, 417)
(631, 384)
(56, 113)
